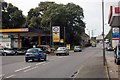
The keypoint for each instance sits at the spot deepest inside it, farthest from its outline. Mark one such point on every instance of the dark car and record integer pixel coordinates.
(109, 48)
(45, 48)
(117, 54)
(35, 54)
(21, 51)
(7, 51)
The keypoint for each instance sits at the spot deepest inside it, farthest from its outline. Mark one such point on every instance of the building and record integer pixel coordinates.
(114, 22)
(13, 37)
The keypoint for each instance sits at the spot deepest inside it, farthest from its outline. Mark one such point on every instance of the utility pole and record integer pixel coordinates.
(50, 31)
(64, 36)
(92, 33)
(104, 60)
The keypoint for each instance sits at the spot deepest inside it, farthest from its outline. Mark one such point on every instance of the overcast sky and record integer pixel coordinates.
(92, 11)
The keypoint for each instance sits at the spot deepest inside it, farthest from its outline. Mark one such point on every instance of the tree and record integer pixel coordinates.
(12, 17)
(50, 14)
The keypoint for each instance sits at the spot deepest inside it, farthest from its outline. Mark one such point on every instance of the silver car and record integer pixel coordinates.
(7, 51)
(77, 49)
(62, 50)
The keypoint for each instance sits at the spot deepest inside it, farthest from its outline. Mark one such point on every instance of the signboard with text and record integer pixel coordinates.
(115, 34)
(115, 37)
(56, 33)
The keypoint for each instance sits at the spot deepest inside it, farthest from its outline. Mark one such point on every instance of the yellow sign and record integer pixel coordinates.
(5, 36)
(68, 46)
(61, 40)
(15, 30)
(56, 37)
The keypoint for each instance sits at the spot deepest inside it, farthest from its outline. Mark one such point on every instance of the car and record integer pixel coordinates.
(35, 54)
(77, 49)
(62, 50)
(21, 51)
(109, 48)
(45, 48)
(117, 54)
(7, 51)
(93, 44)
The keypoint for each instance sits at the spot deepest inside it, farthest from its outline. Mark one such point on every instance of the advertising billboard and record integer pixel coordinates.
(115, 36)
(56, 33)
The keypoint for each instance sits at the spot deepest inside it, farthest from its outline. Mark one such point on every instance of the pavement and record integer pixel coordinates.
(95, 70)
(114, 69)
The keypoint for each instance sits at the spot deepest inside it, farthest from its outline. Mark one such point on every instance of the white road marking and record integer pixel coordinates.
(10, 76)
(38, 64)
(30, 69)
(22, 69)
(45, 63)
(75, 75)
(2, 75)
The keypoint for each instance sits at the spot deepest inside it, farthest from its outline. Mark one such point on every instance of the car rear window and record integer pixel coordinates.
(61, 48)
(77, 46)
(32, 50)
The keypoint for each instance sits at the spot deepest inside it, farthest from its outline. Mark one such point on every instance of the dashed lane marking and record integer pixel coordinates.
(39, 63)
(31, 69)
(45, 63)
(22, 69)
(10, 76)
(2, 75)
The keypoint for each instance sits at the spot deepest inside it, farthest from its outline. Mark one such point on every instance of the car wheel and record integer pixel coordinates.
(4, 54)
(65, 54)
(45, 59)
(39, 60)
(26, 60)
(57, 54)
(117, 61)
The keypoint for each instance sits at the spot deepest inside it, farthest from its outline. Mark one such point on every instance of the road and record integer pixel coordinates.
(54, 67)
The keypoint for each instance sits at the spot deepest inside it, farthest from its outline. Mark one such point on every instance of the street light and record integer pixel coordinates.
(103, 33)
(93, 32)
(88, 32)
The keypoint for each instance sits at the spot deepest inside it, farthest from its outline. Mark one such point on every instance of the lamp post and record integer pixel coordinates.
(93, 32)
(50, 31)
(103, 33)
(88, 32)
(64, 36)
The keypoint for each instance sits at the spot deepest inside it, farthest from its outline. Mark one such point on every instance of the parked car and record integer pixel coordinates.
(93, 44)
(77, 49)
(45, 48)
(62, 50)
(117, 54)
(35, 54)
(21, 51)
(7, 51)
(109, 48)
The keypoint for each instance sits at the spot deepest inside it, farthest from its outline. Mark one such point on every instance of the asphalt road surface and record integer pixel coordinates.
(54, 67)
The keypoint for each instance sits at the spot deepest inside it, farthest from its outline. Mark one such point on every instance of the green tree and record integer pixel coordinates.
(12, 17)
(50, 14)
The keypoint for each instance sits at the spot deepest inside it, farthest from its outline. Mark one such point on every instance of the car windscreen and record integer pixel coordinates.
(61, 48)
(8, 49)
(77, 46)
(119, 48)
(32, 50)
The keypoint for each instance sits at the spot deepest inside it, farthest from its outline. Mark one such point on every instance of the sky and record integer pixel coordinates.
(92, 11)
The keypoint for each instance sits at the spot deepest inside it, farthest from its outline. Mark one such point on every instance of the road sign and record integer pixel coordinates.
(56, 29)
(56, 37)
(115, 34)
(56, 33)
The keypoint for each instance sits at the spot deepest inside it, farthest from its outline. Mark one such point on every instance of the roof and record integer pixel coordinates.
(23, 31)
